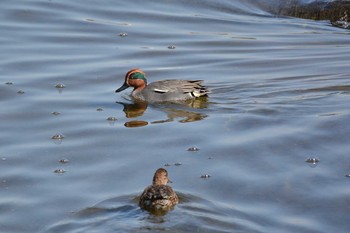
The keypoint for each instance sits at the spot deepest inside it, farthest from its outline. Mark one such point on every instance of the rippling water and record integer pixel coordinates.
(280, 95)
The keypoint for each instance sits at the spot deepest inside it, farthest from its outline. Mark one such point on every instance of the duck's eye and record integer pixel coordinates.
(136, 76)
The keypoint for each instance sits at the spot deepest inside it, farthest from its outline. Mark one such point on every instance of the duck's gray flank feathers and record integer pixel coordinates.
(181, 86)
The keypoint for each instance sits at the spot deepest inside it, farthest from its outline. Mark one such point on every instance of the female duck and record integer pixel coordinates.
(159, 196)
(162, 91)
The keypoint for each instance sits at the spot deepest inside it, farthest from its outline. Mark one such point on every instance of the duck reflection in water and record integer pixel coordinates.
(173, 111)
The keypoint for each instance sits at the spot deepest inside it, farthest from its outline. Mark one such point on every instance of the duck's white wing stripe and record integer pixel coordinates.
(160, 90)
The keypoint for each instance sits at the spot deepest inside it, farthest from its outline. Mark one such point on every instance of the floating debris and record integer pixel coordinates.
(99, 109)
(9, 83)
(21, 92)
(193, 149)
(177, 164)
(111, 118)
(205, 176)
(57, 136)
(63, 161)
(60, 85)
(347, 175)
(171, 47)
(56, 113)
(312, 160)
(59, 171)
(167, 164)
(123, 34)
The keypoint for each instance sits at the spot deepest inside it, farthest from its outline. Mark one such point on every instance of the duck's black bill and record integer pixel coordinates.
(122, 88)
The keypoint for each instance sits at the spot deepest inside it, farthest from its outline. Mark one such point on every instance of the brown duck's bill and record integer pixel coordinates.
(122, 88)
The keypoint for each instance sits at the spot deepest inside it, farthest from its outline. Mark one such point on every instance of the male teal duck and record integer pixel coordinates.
(162, 91)
(159, 196)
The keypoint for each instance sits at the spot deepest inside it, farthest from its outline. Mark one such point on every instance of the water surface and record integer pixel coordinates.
(280, 94)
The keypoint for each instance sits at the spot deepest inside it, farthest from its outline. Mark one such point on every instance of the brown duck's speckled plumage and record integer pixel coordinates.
(159, 195)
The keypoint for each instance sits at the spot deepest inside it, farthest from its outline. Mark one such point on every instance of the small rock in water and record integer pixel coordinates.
(347, 175)
(20, 92)
(193, 149)
(56, 113)
(171, 47)
(205, 176)
(9, 83)
(63, 161)
(313, 160)
(60, 85)
(123, 34)
(111, 118)
(99, 109)
(177, 164)
(59, 171)
(57, 136)
(167, 164)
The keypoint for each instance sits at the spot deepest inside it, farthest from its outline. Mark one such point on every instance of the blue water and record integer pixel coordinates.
(280, 94)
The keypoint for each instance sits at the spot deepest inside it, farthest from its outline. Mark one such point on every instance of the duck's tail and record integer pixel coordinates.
(199, 89)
